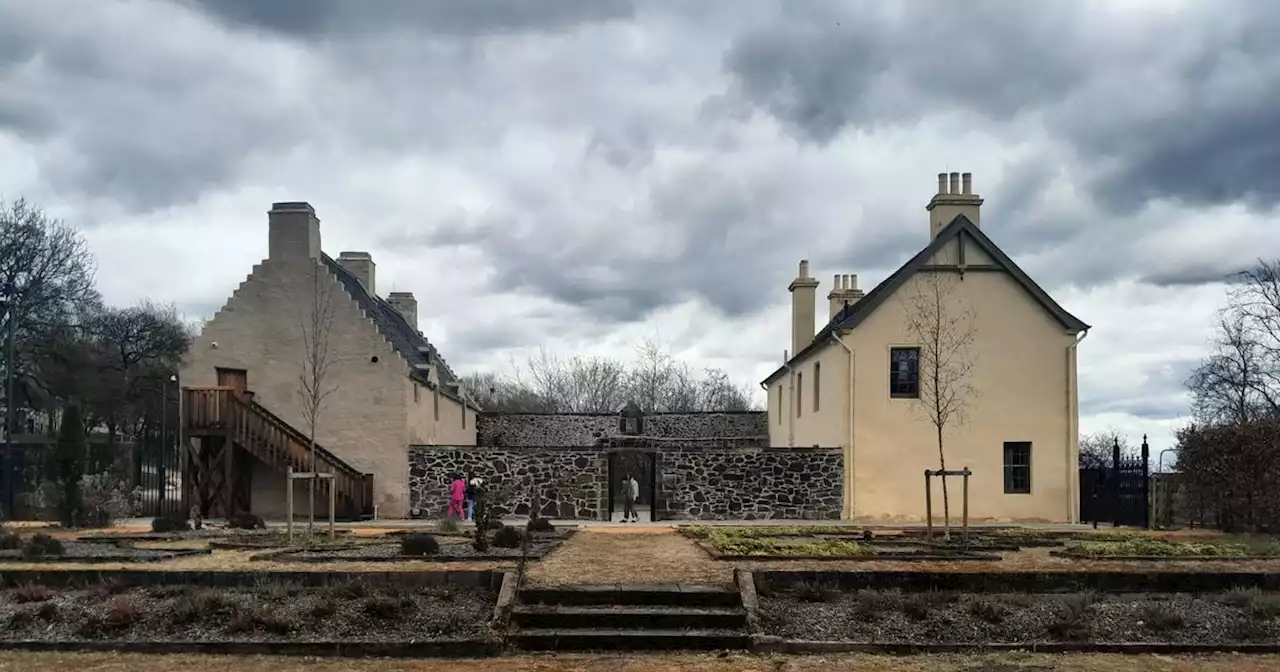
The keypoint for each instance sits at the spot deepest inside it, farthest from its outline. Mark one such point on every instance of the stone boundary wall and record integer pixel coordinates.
(507, 430)
(693, 483)
(751, 484)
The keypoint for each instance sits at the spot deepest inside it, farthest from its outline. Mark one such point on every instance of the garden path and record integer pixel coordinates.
(604, 555)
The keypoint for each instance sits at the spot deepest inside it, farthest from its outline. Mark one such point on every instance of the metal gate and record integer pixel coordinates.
(1118, 493)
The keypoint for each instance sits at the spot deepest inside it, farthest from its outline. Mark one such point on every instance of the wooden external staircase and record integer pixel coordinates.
(225, 431)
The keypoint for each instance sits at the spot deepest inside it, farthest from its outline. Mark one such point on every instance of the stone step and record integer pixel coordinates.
(628, 640)
(684, 595)
(628, 617)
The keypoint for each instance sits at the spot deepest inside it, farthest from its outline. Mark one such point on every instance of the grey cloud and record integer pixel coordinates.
(315, 18)
(1189, 109)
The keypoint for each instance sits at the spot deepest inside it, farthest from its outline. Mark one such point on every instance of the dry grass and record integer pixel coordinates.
(629, 555)
(648, 663)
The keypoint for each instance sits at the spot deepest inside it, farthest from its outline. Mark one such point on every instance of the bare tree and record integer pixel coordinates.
(655, 380)
(315, 380)
(945, 330)
(1096, 448)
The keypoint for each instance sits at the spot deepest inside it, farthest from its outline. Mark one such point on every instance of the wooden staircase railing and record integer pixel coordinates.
(229, 412)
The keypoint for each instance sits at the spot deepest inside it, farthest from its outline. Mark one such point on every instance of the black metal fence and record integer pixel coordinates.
(1118, 493)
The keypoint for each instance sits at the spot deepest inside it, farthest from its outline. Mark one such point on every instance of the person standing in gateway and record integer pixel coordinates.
(630, 493)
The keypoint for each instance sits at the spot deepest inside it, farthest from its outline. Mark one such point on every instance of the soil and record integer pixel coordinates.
(608, 555)
(882, 616)
(450, 547)
(272, 612)
(629, 662)
(73, 550)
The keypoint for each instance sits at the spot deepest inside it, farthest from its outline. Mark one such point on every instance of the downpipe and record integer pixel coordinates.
(849, 451)
(1073, 428)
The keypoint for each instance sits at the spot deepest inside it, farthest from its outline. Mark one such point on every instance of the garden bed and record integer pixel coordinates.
(1147, 550)
(818, 612)
(452, 549)
(79, 552)
(351, 611)
(748, 544)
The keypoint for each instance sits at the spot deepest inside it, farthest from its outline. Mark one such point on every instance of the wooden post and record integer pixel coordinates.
(288, 504)
(965, 523)
(333, 506)
(928, 508)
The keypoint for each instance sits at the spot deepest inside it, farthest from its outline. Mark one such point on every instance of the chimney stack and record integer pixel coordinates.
(803, 294)
(293, 231)
(360, 264)
(955, 197)
(407, 306)
(844, 290)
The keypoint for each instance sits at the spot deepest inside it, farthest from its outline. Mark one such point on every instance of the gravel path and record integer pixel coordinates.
(629, 555)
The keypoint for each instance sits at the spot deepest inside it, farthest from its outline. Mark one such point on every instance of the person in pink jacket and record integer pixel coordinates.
(457, 494)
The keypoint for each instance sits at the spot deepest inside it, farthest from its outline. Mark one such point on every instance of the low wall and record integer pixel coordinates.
(693, 483)
(761, 483)
(570, 482)
(586, 429)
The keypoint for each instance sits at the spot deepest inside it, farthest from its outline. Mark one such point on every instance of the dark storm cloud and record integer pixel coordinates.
(1188, 108)
(314, 18)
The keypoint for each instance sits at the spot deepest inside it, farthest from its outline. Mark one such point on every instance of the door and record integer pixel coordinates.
(640, 465)
(237, 378)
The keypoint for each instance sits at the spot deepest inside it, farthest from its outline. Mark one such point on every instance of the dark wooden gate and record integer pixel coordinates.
(1118, 493)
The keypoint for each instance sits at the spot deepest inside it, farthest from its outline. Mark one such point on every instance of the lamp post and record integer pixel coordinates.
(7, 477)
(182, 453)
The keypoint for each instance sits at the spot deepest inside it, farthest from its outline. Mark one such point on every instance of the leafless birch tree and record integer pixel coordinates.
(945, 330)
(316, 379)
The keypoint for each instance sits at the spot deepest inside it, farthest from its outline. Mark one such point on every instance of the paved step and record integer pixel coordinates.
(628, 617)
(628, 640)
(622, 594)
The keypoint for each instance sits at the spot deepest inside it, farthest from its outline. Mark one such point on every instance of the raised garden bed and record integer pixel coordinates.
(1148, 550)
(452, 549)
(730, 545)
(351, 612)
(817, 612)
(209, 534)
(82, 552)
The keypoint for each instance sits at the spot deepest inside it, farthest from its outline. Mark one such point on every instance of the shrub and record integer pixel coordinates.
(110, 586)
(507, 537)
(1264, 606)
(262, 618)
(541, 525)
(1072, 618)
(322, 608)
(987, 610)
(47, 611)
(41, 545)
(869, 604)
(386, 607)
(1158, 616)
(246, 521)
(1239, 596)
(171, 523)
(9, 540)
(419, 543)
(815, 591)
(917, 606)
(449, 524)
(122, 612)
(194, 607)
(1157, 547)
(105, 499)
(352, 589)
(163, 591)
(31, 592)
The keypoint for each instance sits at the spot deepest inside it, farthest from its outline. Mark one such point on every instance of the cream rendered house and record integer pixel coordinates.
(857, 382)
(391, 389)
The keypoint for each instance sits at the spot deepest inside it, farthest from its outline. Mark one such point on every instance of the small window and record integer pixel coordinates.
(415, 393)
(817, 381)
(435, 403)
(1017, 467)
(904, 373)
(799, 394)
(779, 414)
(464, 416)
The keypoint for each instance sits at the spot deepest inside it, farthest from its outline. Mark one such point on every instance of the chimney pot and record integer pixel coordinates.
(942, 183)
(804, 268)
(955, 183)
(851, 281)
(966, 183)
(835, 282)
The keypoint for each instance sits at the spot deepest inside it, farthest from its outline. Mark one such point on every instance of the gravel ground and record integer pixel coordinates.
(817, 614)
(74, 549)
(273, 612)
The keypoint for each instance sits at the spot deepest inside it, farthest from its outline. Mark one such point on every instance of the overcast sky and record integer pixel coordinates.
(580, 175)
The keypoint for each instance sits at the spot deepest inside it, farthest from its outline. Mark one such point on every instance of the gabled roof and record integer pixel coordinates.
(412, 346)
(959, 228)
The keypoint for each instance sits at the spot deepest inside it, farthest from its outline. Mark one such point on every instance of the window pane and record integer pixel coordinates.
(904, 372)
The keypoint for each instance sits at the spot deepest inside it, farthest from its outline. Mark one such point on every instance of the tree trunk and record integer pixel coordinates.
(946, 503)
(311, 488)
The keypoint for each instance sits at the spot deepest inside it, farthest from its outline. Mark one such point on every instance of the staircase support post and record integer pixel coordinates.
(333, 501)
(288, 505)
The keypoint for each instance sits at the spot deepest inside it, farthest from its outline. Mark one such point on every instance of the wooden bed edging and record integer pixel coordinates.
(1162, 558)
(767, 644)
(55, 578)
(1007, 581)
(885, 557)
(750, 601)
(452, 648)
(123, 558)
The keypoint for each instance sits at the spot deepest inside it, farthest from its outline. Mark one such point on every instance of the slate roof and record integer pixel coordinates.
(397, 330)
(852, 316)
